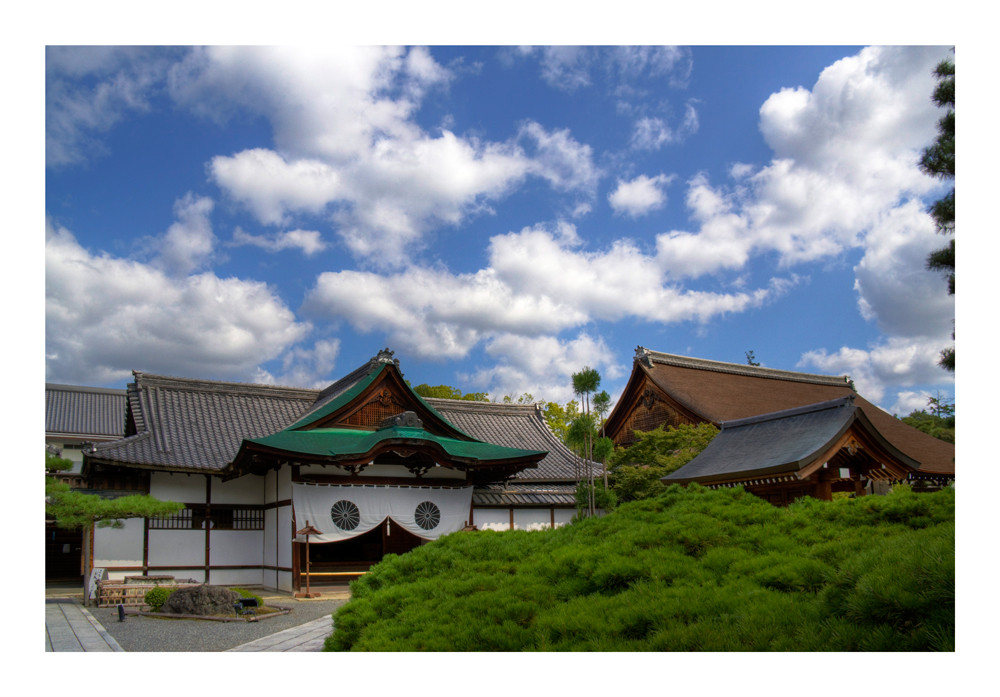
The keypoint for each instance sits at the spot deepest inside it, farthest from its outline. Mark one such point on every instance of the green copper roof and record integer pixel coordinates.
(334, 442)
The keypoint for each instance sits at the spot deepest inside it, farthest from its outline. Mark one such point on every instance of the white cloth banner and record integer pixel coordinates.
(333, 509)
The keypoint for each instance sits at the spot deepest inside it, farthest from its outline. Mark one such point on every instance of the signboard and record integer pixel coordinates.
(98, 574)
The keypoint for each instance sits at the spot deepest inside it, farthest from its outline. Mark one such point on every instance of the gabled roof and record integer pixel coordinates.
(715, 391)
(84, 413)
(516, 426)
(185, 424)
(790, 442)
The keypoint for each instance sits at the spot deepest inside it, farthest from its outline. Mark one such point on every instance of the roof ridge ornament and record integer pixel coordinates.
(642, 356)
(383, 357)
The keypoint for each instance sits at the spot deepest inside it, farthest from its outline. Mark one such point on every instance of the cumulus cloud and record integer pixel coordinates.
(538, 282)
(542, 366)
(105, 316)
(639, 196)
(88, 89)
(188, 243)
(570, 68)
(652, 132)
(305, 367)
(309, 242)
(347, 146)
(881, 370)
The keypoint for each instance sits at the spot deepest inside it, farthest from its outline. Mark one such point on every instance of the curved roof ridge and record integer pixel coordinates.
(649, 357)
(144, 380)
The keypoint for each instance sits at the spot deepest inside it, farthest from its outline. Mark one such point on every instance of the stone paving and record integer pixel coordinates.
(70, 627)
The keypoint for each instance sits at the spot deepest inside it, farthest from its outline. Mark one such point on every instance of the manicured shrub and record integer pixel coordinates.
(155, 597)
(690, 570)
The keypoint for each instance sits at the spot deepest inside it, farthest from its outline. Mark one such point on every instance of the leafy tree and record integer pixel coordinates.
(637, 469)
(75, 510)
(939, 422)
(939, 160)
(559, 417)
(751, 359)
(585, 382)
(525, 398)
(448, 392)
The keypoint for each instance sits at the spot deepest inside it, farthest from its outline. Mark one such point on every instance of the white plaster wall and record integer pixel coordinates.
(178, 487)
(532, 519)
(270, 487)
(248, 489)
(564, 516)
(285, 536)
(180, 547)
(236, 577)
(119, 546)
(491, 518)
(236, 547)
(269, 552)
(284, 484)
(196, 575)
(285, 581)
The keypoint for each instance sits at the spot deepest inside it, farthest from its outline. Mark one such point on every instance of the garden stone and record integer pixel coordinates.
(201, 600)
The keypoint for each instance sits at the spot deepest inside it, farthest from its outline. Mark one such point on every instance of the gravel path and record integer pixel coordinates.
(138, 633)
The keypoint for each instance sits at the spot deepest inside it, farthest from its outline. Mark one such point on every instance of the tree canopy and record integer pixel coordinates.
(636, 470)
(449, 392)
(939, 160)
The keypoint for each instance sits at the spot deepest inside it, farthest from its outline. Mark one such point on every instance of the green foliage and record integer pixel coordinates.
(604, 499)
(637, 469)
(54, 463)
(559, 417)
(939, 160)
(448, 392)
(942, 428)
(155, 597)
(689, 570)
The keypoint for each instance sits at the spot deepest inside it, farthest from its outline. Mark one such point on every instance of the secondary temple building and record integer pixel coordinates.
(369, 466)
(783, 434)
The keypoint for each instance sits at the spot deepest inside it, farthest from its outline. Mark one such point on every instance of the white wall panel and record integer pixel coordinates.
(532, 519)
(564, 516)
(119, 546)
(176, 547)
(248, 489)
(177, 487)
(236, 577)
(236, 547)
(492, 518)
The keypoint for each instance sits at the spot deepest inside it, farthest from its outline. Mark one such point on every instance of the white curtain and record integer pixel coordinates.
(314, 502)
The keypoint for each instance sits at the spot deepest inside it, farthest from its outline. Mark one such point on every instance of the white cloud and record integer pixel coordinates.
(309, 242)
(105, 316)
(539, 282)
(570, 68)
(883, 369)
(88, 89)
(652, 132)
(347, 146)
(639, 196)
(189, 243)
(304, 367)
(543, 366)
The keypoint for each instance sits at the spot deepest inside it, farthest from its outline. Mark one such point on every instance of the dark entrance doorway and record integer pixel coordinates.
(337, 563)
(63, 554)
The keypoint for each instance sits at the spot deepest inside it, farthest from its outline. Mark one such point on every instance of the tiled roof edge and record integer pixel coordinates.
(648, 357)
(87, 390)
(145, 380)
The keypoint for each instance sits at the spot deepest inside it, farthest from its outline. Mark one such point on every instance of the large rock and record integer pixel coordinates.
(201, 600)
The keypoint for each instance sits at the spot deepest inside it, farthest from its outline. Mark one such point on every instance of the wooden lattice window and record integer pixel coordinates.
(380, 407)
(199, 516)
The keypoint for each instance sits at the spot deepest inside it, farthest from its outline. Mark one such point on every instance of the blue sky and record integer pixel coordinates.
(498, 216)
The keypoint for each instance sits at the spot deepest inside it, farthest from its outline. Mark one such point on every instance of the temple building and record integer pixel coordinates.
(367, 465)
(784, 434)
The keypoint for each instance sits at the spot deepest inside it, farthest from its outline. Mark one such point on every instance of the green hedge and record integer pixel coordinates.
(689, 570)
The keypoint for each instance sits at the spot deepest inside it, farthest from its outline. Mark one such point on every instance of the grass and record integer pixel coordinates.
(691, 570)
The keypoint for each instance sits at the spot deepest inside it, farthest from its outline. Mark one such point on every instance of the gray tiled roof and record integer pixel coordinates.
(84, 412)
(188, 424)
(516, 426)
(528, 493)
(778, 443)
